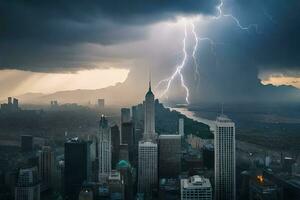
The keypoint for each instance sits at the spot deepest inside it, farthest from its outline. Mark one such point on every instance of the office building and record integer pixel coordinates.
(115, 143)
(169, 156)
(46, 167)
(181, 127)
(104, 145)
(28, 186)
(77, 166)
(149, 115)
(195, 188)
(225, 159)
(26, 143)
(128, 138)
(127, 132)
(148, 149)
(147, 170)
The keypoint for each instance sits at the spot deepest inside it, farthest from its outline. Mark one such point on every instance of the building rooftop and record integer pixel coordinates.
(195, 182)
(223, 119)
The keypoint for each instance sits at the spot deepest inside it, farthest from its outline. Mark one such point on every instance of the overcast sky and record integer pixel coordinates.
(63, 37)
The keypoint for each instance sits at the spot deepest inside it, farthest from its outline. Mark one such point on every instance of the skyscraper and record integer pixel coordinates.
(148, 149)
(147, 171)
(169, 156)
(224, 159)
(115, 142)
(46, 167)
(77, 166)
(127, 132)
(104, 149)
(149, 115)
(28, 186)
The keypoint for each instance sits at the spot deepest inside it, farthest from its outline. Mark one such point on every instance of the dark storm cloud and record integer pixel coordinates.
(33, 28)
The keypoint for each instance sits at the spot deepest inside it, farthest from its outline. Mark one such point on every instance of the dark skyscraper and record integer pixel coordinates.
(77, 166)
(115, 143)
(127, 133)
(169, 156)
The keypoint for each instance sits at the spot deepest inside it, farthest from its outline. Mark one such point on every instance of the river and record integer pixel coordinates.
(192, 115)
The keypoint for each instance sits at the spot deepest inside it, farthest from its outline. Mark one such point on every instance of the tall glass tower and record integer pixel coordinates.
(149, 115)
(104, 149)
(225, 159)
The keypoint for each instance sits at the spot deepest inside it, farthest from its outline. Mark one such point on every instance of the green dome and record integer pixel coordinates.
(123, 164)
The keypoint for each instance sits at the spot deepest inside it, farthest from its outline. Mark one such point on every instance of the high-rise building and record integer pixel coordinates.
(127, 132)
(125, 115)
(115, 143)
(128, 138)
(28, 186)
(104, 146)
(148, 149)
(46, 167)
(169, 156)
(147, 170)
(149, 115)
(77, 166)
(224, 159)
(196, 188)
(26, 143)
(181, 127)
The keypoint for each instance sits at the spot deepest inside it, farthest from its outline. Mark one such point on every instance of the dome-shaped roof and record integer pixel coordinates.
(123, 164)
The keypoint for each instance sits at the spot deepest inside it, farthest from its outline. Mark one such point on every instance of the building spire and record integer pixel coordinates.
(222, 109)
(149, 79)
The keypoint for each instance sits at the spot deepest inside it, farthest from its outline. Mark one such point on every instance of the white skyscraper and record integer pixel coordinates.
(195, 188)
(149, 115)
(181, 127)
(224, 159)
(148, 149)
(147, 173)
(104, 146)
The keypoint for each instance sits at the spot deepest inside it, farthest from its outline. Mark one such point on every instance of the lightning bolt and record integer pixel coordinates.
(197, 75)
(178, 72)
(236, 21)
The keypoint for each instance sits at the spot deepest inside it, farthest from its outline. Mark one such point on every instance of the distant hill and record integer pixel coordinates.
(118, 94)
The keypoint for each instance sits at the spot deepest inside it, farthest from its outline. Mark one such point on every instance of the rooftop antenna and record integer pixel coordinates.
(149, 78)
(222, 109)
